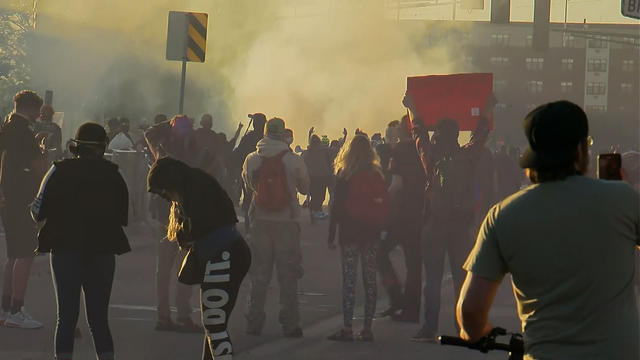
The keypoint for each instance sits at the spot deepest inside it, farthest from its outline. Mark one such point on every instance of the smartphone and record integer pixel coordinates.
(610, 167)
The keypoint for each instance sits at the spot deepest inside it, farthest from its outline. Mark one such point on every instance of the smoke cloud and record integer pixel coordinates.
(314, 63)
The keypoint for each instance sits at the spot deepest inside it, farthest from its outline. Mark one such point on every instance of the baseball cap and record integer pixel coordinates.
(553, 131)
(259, 118)
(275, 128)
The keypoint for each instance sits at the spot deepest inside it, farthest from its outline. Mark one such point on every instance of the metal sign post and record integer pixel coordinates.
(182, 81)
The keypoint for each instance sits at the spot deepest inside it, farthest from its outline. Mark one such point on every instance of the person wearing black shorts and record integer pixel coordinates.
(23, 165)
(203, 220)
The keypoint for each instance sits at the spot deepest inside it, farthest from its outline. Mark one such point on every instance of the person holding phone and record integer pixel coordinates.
(569, 243)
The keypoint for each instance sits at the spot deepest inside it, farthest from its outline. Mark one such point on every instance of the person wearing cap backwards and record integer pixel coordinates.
(84, 205)
(275, 231)
(569, 243)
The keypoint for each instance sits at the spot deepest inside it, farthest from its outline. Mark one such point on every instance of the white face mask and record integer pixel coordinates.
(288, 140)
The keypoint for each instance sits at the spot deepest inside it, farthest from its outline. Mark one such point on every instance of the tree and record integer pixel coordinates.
(17, 20)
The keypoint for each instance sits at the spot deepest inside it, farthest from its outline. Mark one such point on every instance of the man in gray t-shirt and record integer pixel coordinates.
(569, 243)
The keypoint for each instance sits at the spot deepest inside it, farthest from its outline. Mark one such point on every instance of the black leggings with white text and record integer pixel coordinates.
(224, 271)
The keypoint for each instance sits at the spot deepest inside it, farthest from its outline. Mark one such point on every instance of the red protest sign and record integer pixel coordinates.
(461, 97)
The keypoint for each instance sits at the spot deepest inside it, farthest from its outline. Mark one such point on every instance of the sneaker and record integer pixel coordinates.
(3, 317)
(423, 335)
(22, 320)
(164, 323)
(188, 326)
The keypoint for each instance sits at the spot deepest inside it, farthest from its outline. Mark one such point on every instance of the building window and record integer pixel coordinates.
(500, 39)
(597, 65)
(567, 64)
(501, 106)
(626, 88)
(628, 42)
(596, 88)
(570, 41)
(499, 61)
(499, 85)
(528, 41)
(599, 43)
(566, 86)
(628, 65)
(534, 86)
(534, 63)
(596, 108)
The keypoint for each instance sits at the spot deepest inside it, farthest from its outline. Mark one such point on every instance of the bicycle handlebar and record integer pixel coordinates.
(488, 343)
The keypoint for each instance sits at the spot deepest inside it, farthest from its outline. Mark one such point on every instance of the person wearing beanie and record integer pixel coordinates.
(274, 175)
(90, 188)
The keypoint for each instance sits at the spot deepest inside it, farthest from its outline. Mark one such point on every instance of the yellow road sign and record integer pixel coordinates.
(187, 36)
(197, 37)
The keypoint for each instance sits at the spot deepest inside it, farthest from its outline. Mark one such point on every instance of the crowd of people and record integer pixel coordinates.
(416, 188)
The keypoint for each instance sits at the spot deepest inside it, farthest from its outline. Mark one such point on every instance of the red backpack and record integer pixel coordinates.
(368, 199)
(272, 193)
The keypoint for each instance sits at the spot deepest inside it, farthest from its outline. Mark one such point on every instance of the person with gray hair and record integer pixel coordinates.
(274, 175)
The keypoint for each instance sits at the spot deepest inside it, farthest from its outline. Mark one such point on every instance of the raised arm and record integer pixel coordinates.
(420, 135)
(480, 135)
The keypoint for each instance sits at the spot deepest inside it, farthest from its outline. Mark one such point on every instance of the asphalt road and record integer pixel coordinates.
(133, 315)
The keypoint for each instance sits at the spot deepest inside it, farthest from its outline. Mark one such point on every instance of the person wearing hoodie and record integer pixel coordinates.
(275, 228)
(84, 204)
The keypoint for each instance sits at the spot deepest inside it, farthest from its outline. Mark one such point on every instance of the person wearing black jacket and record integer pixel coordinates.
(84, 203)
(203, 219)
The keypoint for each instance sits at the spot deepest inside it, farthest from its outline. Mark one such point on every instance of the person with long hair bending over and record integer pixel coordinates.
(203, 220)
(359, 213)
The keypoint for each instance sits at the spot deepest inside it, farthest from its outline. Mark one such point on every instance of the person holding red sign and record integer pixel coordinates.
(449, 168)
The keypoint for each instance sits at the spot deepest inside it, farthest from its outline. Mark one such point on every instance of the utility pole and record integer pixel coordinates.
(453, 16)
(564, 34)
(182, 81)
